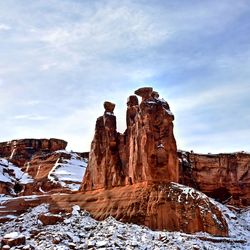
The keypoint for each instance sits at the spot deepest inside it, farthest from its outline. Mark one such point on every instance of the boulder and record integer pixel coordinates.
(13, 239)
(50, 219)
(109, 107)
(145, 93)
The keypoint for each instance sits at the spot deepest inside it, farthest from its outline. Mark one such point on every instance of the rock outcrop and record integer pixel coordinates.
(171, 207)
(145, 152)
(21, 151)
(37, 166)
(224, 177)
(132, 176)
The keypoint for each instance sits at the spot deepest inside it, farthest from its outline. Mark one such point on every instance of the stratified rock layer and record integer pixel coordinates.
(225, 177)
(171, 207)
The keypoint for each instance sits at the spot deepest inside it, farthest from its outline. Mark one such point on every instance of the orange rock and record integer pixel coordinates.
(145, 92)
(50, 219)
(145, 152)
(171, 206)
(109, 107)
(225, 177)
(13, 239)
(21, 151)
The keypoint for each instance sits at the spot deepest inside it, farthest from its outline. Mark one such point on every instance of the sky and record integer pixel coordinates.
(61, 59)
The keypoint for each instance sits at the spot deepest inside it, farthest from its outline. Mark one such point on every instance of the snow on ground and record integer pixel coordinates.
(9, 173)
(80, 231)
(68, 172)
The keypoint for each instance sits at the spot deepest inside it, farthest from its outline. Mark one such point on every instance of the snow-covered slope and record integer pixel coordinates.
(68, 172)
(9, 173)
(80, 231)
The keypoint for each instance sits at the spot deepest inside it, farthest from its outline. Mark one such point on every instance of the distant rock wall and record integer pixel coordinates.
(41, 160)
(145, 152)
(20, 151)
(225, 177)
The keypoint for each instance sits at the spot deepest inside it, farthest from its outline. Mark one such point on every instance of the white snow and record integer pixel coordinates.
(13, 235)
(83, 232)
(68, 172)
(169, 112)
(109, 113)
(160, 146)
(10, 173)
(151, 102)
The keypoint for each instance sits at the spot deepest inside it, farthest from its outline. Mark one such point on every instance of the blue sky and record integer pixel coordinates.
(61, 59)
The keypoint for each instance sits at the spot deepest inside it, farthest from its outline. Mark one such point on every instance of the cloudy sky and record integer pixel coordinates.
(61, 59)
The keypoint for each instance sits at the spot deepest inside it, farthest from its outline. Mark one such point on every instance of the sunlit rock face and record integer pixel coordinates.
(145, 152)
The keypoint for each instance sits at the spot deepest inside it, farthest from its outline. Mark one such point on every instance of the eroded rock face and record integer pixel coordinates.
(151, 153)
(145, 152)
(225, 177)
(171, 207)
(130, 176)
(41, 166)
(104, 169)
(21, 151)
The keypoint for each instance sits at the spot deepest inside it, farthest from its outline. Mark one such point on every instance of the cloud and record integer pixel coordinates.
(4, 27)
(63, 59)
(30, 117)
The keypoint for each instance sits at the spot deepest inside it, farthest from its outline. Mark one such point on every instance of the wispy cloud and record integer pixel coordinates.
(4, 27)
(63, 59)
(30, 117)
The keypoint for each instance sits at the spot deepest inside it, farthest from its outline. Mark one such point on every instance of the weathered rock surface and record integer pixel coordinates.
(145, 152)
(225, 177)
(50, 219)
(171, 207)
(130, 175)
(21, 151)
(13, 239)
(40, 169)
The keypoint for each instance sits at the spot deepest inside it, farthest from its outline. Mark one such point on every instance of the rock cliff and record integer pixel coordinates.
(224, 177)
(21, 151)
(38, 166)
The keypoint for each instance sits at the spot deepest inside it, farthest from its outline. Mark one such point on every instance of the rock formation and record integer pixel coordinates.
(21, 151)
(171, 207)
(145, 152)
(32, 166)
(132, 176)
(225, 177)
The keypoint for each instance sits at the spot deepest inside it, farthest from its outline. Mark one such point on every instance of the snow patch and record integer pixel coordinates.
(83, 232)
(9, 173)
(69, 172)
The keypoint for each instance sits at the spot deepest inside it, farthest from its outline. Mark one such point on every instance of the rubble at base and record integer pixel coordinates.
(79, 231)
